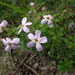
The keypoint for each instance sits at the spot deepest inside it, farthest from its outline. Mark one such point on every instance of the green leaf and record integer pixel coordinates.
(54, 37)
(56, 20)
(57, 14)
(15, 8)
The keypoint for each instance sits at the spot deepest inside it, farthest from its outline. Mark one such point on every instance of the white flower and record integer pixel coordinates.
(47, 18)
(3, 24)
(11, 44)
(24, 25)
(36, 40)
(32, 4)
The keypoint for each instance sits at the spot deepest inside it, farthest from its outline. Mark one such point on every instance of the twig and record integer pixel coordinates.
(31, 58)
(19, 65)
(30, 68)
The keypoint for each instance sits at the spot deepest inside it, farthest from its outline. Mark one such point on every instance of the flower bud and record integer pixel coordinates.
(32, 4)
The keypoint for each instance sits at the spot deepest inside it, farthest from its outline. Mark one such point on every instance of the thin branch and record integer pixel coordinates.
(31, 58)
(30, 68)
(19, 66)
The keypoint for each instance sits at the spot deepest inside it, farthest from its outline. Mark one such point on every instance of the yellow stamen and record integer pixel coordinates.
(36, 40)
(10, 44)
(48, 18)
(22, 25)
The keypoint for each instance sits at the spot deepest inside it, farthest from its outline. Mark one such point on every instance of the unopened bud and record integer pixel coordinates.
(32, 4)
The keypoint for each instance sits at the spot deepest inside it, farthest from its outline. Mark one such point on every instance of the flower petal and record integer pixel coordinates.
(15, 41)
(30, 44)
(15, 46)
(28, 23)
(43, 21)
(39, 47)
(45, 16)
(4, 23)
(37, 33)
(51, 25)
(49, 22)
(19, 31)
(8, 39)
(43, 40)
(25, 29)
(8, 48)
(1, 30)
(31, 36)
(4, 41)
(24, 20)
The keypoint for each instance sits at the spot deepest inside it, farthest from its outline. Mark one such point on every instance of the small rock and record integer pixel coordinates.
(35, 65)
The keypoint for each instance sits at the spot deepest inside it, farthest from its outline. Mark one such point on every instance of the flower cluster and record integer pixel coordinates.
(35, 39)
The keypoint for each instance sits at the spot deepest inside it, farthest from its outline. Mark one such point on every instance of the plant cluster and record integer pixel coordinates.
(58, 35)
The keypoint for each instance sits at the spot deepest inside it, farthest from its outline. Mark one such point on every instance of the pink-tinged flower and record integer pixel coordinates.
(2, 25)
(32, 4)
(11, 44)
(24, 25)
(36, 40)
(47, 18)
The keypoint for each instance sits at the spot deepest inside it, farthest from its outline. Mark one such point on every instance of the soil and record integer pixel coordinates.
(29, 64)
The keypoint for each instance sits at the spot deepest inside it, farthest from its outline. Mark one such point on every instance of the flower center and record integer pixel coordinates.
(48, 18)
(22, 25)
(36, 40)
(10, 44)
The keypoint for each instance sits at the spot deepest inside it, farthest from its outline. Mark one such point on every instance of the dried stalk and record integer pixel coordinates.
(30, 68)
(31, 58)
(19, 66)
